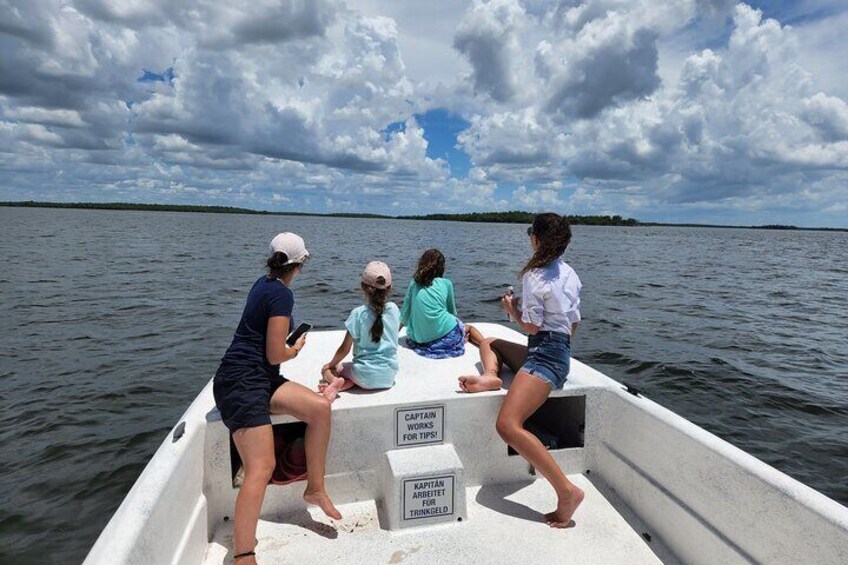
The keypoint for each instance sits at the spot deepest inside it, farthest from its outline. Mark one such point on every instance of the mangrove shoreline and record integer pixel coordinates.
(510, 217)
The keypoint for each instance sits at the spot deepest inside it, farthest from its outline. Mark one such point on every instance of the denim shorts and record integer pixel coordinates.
(548, 357)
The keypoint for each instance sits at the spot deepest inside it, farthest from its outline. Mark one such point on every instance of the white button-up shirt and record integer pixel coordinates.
(550, 297)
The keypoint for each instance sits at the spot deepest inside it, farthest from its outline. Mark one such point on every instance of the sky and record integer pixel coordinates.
(704, 111)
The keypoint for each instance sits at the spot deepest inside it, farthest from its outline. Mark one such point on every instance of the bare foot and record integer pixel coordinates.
(480, 383)
(552, 520)
(322, 500)
(331, 391)
(561, 517)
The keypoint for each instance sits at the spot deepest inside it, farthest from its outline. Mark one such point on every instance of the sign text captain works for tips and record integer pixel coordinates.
(420, 426)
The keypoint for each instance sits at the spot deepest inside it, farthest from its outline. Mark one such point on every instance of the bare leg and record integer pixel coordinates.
(256, 449)
(312, 408)
(525, 396)
(474, 335)
(493, 354)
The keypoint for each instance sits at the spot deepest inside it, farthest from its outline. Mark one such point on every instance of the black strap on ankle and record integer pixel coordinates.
(245, 554)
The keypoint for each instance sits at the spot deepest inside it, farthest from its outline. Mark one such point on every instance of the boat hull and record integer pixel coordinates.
(680, 493)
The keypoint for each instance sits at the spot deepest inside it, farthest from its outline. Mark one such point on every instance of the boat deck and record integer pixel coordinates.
(658, 488)
(504, 526)
(421, 379)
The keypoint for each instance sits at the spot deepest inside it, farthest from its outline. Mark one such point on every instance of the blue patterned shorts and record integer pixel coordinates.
(450, 345)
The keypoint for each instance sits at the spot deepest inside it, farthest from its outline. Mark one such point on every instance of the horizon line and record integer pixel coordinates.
(482, 217)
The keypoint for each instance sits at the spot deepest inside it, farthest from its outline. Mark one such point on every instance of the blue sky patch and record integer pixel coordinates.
(795, 12)
(165, 76)
(392, 128)
(441, 128)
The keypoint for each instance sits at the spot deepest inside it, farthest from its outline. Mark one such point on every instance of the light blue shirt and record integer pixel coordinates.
(374, 364)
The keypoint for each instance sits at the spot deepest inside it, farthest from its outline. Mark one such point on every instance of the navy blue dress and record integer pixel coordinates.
(245, 381)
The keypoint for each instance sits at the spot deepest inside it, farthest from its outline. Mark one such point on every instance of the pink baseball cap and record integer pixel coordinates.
(377, 274)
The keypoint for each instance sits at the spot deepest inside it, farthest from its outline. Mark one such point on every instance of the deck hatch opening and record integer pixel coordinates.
(559, 423)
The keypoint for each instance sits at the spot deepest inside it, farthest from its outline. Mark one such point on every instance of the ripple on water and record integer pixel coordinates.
(99, 361)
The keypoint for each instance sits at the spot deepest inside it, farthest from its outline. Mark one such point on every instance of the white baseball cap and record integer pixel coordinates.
(292, 245)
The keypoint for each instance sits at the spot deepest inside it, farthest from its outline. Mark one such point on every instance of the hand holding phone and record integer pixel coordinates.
(295, 335)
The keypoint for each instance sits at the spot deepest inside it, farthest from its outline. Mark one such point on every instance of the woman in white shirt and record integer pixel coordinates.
(550, 313)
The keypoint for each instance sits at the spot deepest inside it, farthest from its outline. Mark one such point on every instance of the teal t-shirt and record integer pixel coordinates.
(429, 312)
(374, 364)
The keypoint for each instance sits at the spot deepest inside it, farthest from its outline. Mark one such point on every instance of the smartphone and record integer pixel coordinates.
(295, 335)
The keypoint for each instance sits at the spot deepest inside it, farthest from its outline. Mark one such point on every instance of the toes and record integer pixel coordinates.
(559, 524)
(554, 521)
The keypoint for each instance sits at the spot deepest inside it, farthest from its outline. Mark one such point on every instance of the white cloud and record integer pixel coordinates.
(741, 121)
(487, 36)
(637, 107)
(828, 114)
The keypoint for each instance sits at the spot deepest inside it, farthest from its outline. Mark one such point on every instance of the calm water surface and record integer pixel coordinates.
(112, 322)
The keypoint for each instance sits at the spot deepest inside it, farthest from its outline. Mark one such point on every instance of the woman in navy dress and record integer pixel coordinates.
(248, 388)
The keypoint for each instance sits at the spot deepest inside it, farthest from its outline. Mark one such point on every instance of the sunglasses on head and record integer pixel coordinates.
(529, 230)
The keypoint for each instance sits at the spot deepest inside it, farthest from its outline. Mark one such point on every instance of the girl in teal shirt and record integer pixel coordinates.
(429, 312)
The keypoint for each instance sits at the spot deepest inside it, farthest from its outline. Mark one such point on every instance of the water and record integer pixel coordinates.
(112, 322)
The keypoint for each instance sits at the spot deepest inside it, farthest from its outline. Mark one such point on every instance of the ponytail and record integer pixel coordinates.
(279, 266)
(554, 234)
(377, 298)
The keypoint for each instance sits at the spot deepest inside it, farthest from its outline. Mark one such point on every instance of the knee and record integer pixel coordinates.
(260, 469)
(319, 412)
(507, 428)
(488, 342)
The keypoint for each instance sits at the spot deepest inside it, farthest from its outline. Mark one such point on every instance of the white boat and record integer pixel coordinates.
(421, 476)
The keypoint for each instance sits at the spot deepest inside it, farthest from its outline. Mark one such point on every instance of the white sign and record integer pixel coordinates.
(427, 497)
(420, 426)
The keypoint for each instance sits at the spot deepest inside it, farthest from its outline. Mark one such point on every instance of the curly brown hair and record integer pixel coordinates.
(554, 235)
(430, 266)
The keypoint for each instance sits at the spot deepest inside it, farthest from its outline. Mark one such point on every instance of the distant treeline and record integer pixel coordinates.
(512, 217)
(518, 217)
(173, 208)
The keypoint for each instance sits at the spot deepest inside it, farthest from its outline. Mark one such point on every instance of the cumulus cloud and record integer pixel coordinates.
(487, 36)
(742, 121)
(828, 114)
(636, 107)
(308, 83)
(606, 74)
